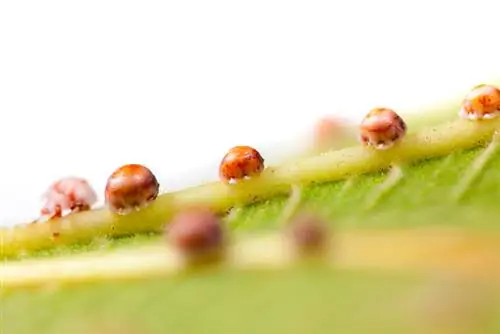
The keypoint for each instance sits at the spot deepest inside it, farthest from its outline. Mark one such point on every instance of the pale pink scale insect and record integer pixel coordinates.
(382, 128)
(331, 132)
(70, 193)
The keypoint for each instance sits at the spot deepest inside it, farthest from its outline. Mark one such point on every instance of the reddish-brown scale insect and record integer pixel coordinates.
(195, 231)
(71, 193)
(241, 162)
(482, 102)
(382, 128)
(131, 187)
(309, 232)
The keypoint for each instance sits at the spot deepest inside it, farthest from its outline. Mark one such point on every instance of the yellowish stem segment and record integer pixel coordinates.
(330, 166)
(420, 250)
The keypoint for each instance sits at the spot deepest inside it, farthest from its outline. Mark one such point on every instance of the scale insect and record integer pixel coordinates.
(308, 232)
(195, 231)
(382, 128)
(130, 188)
(481, 103)
(71, 193)
(240, 162)
(330, 132)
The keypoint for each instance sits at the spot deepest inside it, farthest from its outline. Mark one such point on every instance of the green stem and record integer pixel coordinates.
(292, 205)
(477, 166)
(329, 166)
(394, 176)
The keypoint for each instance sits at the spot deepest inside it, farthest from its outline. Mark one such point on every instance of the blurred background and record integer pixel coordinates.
(88, 86)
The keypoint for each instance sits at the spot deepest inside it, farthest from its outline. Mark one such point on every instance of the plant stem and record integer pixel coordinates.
(291, 206)
(394, 176)
(420, 250)
(329, 166)
(477, 166)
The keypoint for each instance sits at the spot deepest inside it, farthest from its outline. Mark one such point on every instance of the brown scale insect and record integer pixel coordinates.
(240, 162)
(195, 231)
(71, 193)
(382, 128)
(130, 188)
(308, 232)
(482, 103)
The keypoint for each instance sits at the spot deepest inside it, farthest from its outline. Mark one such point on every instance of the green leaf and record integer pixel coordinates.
(445, 176)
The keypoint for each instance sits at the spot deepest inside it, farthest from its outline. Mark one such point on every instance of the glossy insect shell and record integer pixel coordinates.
(482, 102)
(131, 187)
(241, 162)
(382, 128)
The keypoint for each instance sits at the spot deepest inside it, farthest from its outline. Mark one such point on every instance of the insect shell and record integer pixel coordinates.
(71, 193)
(130, 188)
(382, 128)
(308, 232)
(240, 162)
(326, 131)
(195, 231)
(482, 102)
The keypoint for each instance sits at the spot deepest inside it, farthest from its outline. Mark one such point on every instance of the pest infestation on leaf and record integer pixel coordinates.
(199, 234)
(71, 193)
(131, 188)
(240, 162)
(482, 103)
(382, 128)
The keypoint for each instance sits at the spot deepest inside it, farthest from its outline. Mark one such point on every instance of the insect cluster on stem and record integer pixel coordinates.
(134, 187)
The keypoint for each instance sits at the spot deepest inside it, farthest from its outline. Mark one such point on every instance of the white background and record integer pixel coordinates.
(86, 86)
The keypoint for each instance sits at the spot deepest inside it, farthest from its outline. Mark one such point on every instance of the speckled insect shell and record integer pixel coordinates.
(382, 128)
(482, 102)
(240, 162)
(131, 187)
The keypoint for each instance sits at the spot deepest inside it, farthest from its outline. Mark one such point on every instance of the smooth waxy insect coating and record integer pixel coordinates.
(195, 231)
(382, 128)
(71, 193)
(241, 162)
(131, 187)
(483, 102)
